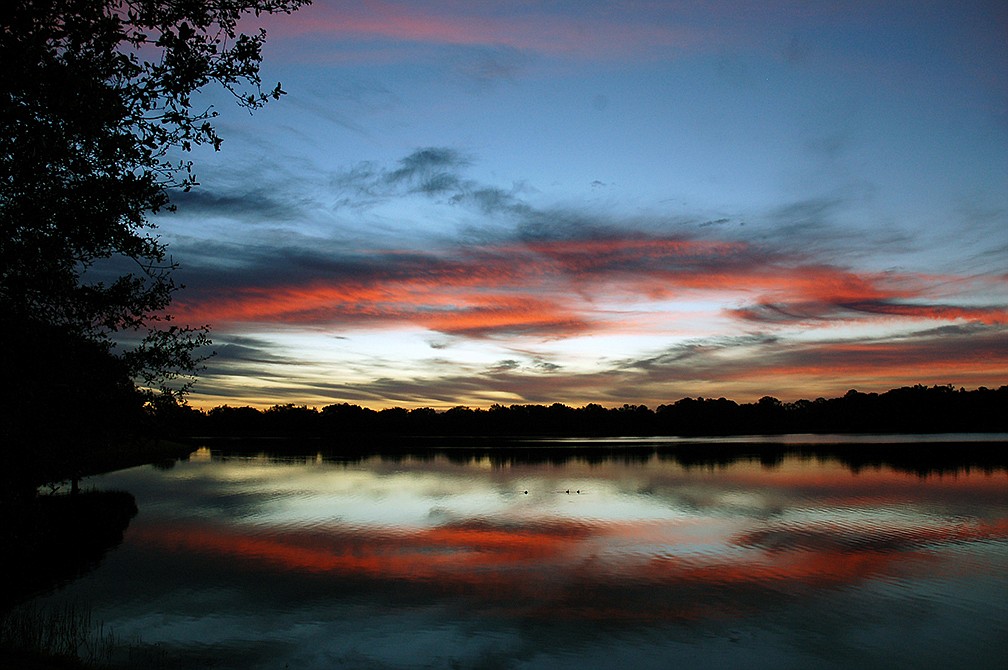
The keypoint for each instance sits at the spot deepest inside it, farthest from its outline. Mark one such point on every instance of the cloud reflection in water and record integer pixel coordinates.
(452, 526)
(427, 549)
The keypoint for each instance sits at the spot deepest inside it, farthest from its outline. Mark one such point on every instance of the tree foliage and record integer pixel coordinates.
(98, 108)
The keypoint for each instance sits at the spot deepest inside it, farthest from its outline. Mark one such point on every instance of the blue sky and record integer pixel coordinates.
(468, 203)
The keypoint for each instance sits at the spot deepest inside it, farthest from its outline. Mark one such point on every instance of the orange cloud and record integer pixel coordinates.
(554, 288)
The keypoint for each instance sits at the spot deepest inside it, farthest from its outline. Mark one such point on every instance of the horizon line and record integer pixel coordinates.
(617, 405)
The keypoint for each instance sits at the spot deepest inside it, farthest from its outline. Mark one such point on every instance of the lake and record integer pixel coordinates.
(611, 554)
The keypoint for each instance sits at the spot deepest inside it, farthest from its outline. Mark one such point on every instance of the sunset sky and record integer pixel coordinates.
(467, 203)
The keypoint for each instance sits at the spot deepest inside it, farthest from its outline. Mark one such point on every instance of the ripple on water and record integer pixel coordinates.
(430, 562)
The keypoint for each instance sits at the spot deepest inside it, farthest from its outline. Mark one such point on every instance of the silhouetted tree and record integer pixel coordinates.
(96, 111)
(915, 409)
(348, 419)
(77, 396)
(96, 114)
(292, 420)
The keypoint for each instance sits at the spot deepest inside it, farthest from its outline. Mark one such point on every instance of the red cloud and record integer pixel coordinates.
(552, 288)
(448, 307)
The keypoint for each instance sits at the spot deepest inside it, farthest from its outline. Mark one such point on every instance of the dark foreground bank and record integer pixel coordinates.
(53, 533)
(54, 539)
(48, 542)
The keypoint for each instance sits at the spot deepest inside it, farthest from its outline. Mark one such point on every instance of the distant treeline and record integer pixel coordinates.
(916, 409)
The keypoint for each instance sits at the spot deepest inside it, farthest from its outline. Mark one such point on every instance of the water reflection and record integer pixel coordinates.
(432, 560)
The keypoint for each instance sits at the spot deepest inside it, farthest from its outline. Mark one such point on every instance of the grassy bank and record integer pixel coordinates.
(52, 539)
(63, 638)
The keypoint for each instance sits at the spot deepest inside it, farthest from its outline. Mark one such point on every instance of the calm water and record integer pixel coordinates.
(643, 562)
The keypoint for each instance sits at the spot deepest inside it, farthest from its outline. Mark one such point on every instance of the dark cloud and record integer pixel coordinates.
(434, 172)
(715, 222)
(359, 188)
(959, 352)
(230, 267)
(241, 364)
(808, 227)
(546, 253)
(422, 163)
(825, 228)
(235, 365)
(534, 365)
(503, 366)
(805, 214)
(490, 200)
(238, 350)
(927, 350)
(845, 309)
(488, 66)
(246, 206)
(689, 356)
(344, 102)
(546, 366)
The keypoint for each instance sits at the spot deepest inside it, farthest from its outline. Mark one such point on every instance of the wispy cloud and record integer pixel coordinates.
(743, 367)
(556, 288)
(507, 271)
(936, 351)
(840, 308)
(431, 171)
(248, 206)
(548, 272)
(593, 32)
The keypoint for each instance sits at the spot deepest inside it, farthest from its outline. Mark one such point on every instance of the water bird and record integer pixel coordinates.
(526, 493)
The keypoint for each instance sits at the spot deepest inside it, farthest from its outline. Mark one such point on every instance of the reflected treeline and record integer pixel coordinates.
(921, 458)
(917, 409)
